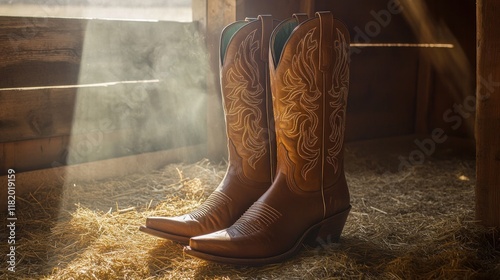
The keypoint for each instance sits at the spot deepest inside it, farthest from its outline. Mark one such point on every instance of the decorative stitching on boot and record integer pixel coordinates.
(216, 199)
(256, 218)
(340, 87)
(245, 96)
(299, 119)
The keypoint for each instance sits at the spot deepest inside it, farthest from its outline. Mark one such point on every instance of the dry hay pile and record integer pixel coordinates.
(409, 224)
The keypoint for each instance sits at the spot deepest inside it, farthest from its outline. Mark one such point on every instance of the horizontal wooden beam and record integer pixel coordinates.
(93, 146)
(38, 113)
(27, 114)
(40, 51)
(68, 51)
(79, 124)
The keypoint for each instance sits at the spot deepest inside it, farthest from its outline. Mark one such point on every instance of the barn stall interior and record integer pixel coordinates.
(113, 114)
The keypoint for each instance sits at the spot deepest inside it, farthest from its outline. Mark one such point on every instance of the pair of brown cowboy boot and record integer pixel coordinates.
(284, 89)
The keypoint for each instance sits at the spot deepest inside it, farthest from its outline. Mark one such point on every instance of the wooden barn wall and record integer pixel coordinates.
(136, 87)
(384, 80)
(77, 90)
(444, 77)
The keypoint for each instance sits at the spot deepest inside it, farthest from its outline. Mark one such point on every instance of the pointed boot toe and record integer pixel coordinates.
(211, 243)
(172, 228)
(225, 248)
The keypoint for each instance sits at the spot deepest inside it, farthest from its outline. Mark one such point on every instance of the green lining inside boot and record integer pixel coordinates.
(280, 37)
(227, 35)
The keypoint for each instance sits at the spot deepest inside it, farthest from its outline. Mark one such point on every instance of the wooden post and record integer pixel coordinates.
(488, 113)
(212, 16)
(424, 84)
(308, 7)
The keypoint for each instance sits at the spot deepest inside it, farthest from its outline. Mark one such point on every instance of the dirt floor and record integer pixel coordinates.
(409, 221)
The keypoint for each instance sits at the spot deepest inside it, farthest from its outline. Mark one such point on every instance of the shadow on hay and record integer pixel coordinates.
(164, 258)
(37, 213)
(345, 259)
(355, 258)
(352, 257)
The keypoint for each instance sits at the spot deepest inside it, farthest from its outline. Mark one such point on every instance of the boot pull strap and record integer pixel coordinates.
(267, 28)
(300, 17)
(325, 40)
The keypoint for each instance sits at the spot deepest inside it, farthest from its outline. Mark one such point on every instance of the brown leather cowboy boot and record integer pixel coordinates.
(244, 53)
(309, 198)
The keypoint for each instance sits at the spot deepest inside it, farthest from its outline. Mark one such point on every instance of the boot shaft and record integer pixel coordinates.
(309, 70)
(247, 100)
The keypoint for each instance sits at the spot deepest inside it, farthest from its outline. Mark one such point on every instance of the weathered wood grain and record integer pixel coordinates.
(31, 114)
(40, 51)
(132, 86)
(62, 51)
(488, 114)
(93, 123)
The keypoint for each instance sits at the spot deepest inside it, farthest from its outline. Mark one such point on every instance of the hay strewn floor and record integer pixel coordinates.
(409, 224)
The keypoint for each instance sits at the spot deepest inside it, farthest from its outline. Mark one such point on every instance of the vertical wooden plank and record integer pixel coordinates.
(424, 81)
(212, 16)
(488, 113)
(308, 7)
(279, 9)
(220, 14)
